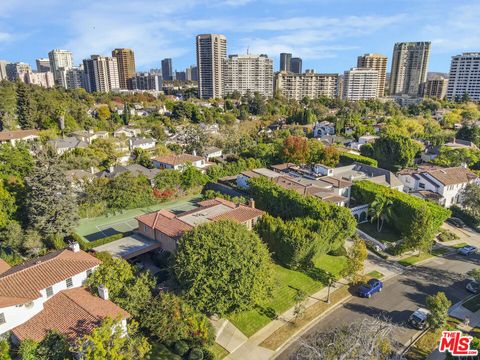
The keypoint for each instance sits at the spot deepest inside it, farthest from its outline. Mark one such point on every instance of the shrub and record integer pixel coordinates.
(416, 219)
(208, 354)
(181, 348)
(161, 259)
(87, 245)
(347, 159)
(446, 235)
(195, 354)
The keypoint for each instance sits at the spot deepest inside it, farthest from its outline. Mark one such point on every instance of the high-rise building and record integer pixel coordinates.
(126, 65)
(360, 84)
(464, 77)
(377, 62)
(146, 81)
(248, 73)
(3, 70)
(296, 65)
(409, 67)
(435, 88)
(167, 72)
(101, 74)
(44, 79)
(43, 65)
(59, 59)
(285, 62)
(180, 76)
(72, 78)
(211, 51)
(14, 70)
(309, 84)
(191, 73)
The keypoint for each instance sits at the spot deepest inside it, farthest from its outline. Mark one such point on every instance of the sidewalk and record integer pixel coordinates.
(251, 349)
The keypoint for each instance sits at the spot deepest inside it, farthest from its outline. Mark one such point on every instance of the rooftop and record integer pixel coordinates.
(73, 312)
(17, 134)
(175, 160)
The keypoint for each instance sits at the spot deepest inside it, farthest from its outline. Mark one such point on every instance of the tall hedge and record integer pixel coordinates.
(407, 211)
(331, 222)
(348, 158)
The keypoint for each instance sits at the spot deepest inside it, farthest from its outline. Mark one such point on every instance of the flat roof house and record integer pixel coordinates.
(167, 227)
(47, 293)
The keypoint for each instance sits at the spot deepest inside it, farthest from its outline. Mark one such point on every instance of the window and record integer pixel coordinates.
(49, 291)
(2, 318)
(421, 185)
(145, 228)
(69, 282)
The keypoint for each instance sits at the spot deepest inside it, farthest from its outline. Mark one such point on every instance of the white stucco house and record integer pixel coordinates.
(323, 128)
(15, 136)
(141, 143)
(212, 152)
(47, 293)
(443, 185)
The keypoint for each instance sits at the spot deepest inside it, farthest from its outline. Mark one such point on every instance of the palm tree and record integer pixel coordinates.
(379, 210)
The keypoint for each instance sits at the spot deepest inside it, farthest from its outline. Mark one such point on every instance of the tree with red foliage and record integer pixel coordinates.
(295, 149)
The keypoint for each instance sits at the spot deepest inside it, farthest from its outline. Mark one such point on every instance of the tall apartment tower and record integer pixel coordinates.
(360, 84)
(377, 62)
(285, 62)
(435, 88)
(211, 51)
(167, 72)
(59, 59)
(248, 73)
(464, 77)
(126, 65)
(43, 64)
(409, 67)
(296, 65)
(101, 73)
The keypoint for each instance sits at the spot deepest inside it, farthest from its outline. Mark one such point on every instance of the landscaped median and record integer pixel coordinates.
(440, 251)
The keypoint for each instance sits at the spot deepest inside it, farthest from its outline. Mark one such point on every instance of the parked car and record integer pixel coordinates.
(418, 319)
(371, 287)
(456, 222)
(473, 287)
(467, 250)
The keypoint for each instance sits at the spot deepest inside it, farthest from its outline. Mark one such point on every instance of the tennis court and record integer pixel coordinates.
(108, 225)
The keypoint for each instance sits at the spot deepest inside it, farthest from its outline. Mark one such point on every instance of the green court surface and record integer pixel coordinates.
(103, 226)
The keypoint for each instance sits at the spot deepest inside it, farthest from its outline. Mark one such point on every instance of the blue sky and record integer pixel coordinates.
(327, 34)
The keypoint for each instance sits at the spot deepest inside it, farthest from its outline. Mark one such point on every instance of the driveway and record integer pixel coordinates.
(401, 296)
(467, 235)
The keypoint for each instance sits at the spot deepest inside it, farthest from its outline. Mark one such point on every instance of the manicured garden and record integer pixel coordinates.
(331, 264)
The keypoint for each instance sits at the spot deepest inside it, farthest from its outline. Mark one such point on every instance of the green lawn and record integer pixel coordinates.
(219, 351)
(331, 264)
(286, 283)
(91, 226)
(387, 235)
(375, 275)
(411, 260)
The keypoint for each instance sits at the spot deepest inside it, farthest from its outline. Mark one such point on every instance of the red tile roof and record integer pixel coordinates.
(22, 283)
(165, 222)
(240, 214)
(216, 201)
(73, 312)
(16, 134)
(174, 160)
(3, 266)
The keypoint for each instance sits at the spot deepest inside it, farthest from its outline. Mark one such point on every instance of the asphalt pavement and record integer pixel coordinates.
(401, 295)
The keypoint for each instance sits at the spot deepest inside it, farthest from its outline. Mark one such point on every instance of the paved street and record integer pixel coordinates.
(402, 295)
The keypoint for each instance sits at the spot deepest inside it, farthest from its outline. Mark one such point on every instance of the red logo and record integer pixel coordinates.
(456, 344)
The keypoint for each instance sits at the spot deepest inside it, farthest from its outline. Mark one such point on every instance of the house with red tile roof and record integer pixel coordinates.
(179, 162)
(14, 136)
(46, 293)
(167, 227)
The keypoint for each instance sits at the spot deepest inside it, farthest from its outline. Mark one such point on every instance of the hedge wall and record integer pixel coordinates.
(410, 215)
(347, 159)
(328, 223)
(87, 245)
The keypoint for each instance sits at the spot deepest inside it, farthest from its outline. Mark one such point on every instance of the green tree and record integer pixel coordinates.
(295, 149)
(129, 191)
(438, 305)
(108, 341)
(126, 288)
(25, 107)
(169, 319)
(469, 133)
(15, 160)
(5, 350)
(219, 289)
(12, 236)
(28, 350)
(168, 179)
(196, 139)
(471, 198)
(357, 254)
(380, 209)
(50, 205)
(142, 157)
(53, 347)
(7, 205)
(191, 177)
(126, 114)
(103, 113)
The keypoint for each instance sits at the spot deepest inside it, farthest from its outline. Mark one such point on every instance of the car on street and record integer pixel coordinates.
(467, 250)
(473, 287)
(371, 287)
(456, 222)
(419, 318)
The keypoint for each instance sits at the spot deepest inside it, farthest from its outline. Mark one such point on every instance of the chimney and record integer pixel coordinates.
(251, 203)
(75, 247)
(103, 292)
(92, 170)
(110, 169)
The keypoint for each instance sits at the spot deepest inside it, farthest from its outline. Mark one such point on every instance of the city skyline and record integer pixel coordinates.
(155, 30)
